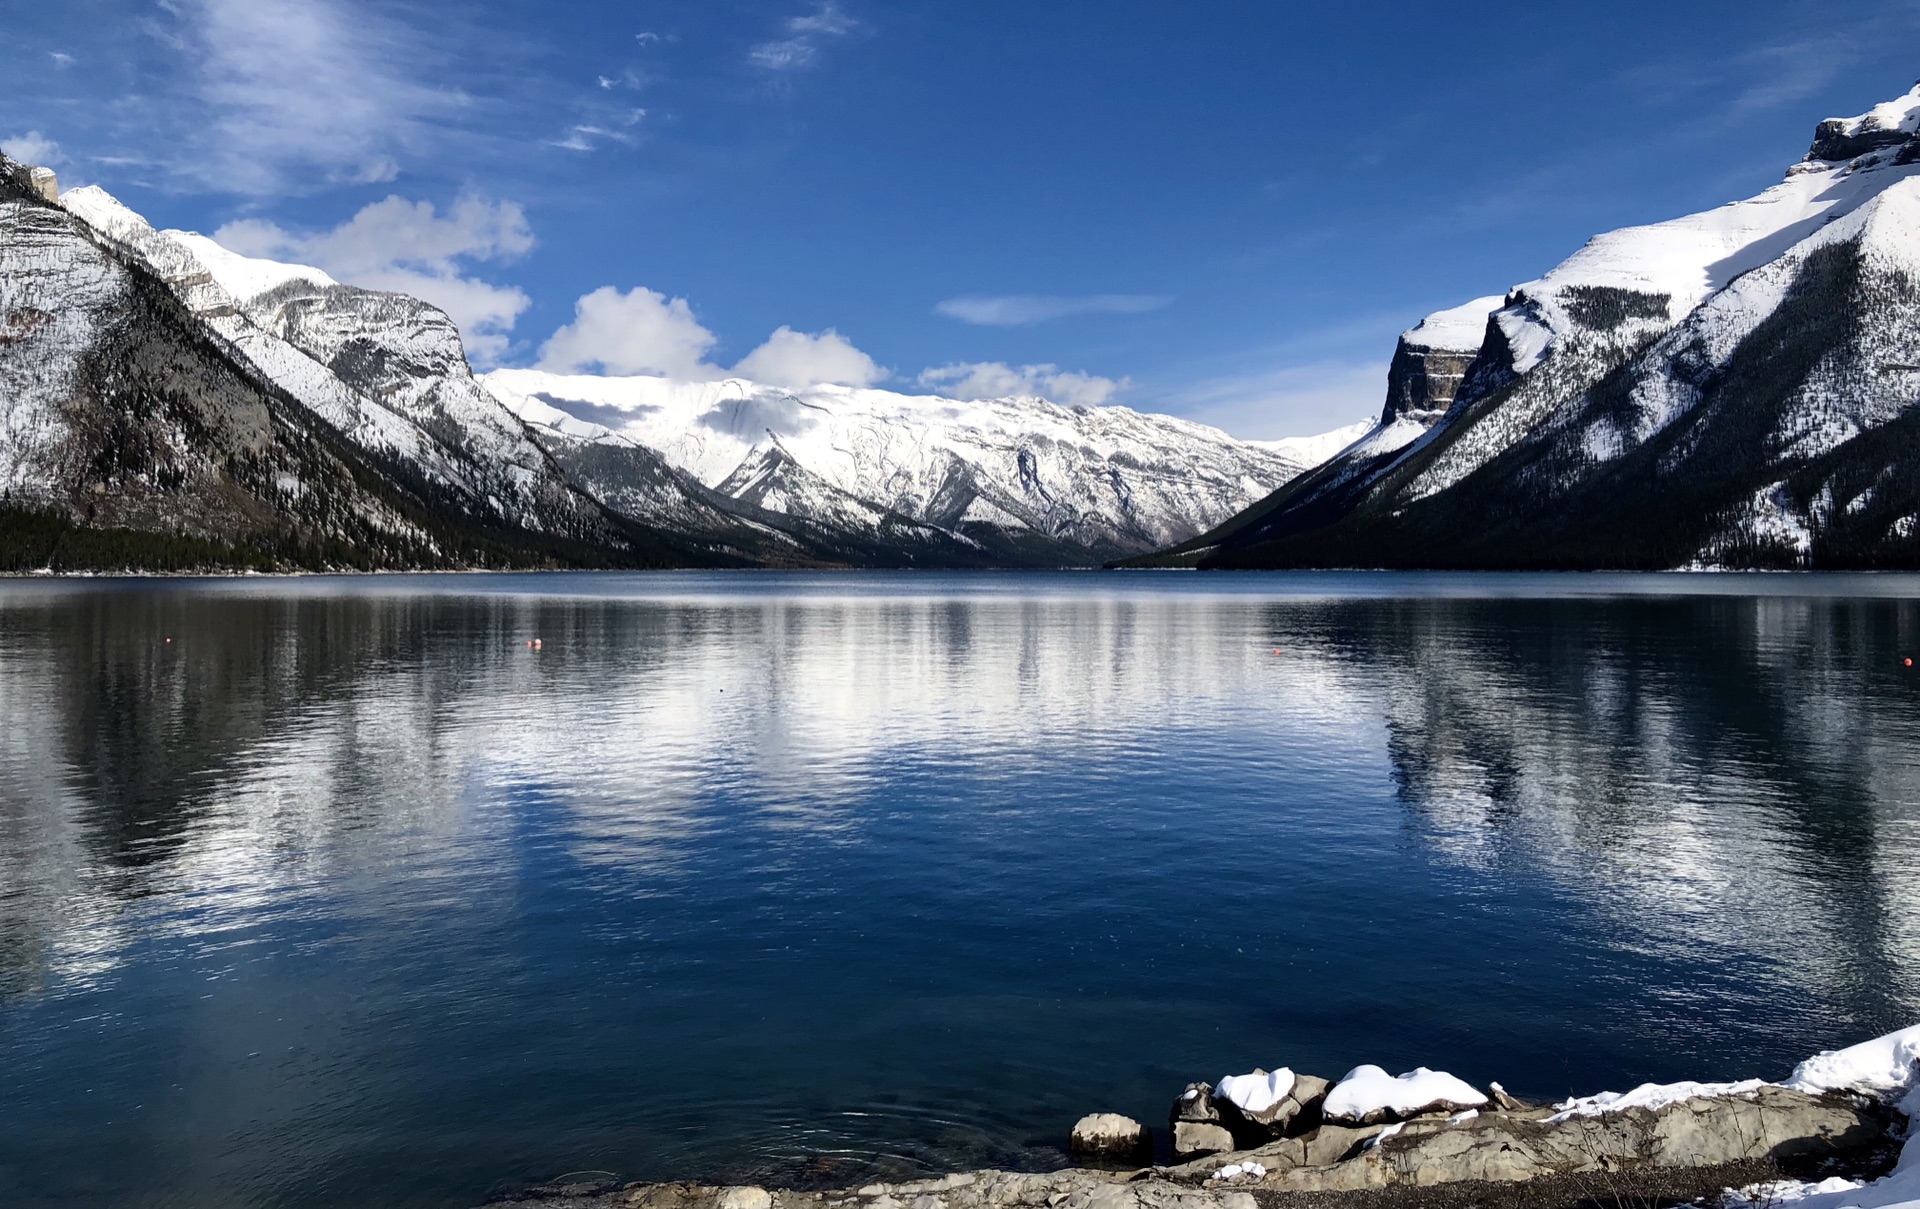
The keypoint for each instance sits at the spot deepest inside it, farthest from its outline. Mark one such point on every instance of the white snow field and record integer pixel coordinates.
(1096, 476)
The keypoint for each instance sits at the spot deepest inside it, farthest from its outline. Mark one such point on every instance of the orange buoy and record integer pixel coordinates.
(1909, 663)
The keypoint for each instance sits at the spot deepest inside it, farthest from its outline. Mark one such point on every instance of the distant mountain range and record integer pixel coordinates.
(165, 403)
(1733, 389)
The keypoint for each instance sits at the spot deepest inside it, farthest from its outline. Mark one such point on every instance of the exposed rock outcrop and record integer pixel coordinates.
(1430, 362)
(1110, 1135)
(1194, 1123)
(1769, 1124)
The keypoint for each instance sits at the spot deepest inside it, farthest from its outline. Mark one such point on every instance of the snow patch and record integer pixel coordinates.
(1257, 1092)
(1234, 1171)
(246, 277)
(1461, 329)
(1651, 1096)
(1882, 1067)
(1368, 1089)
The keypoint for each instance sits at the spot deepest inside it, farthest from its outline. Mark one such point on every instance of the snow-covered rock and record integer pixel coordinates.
(1650, 1096)
(1368, 1095)
(1256, 1093)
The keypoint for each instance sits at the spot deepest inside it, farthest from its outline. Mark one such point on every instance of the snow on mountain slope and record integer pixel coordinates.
(1102, 480)
(1606, 303)
(1835, 405)
(387, 371)
(1457, 329)
(179, 263)
(119, 410)
(1747, 365)
(1312, 451)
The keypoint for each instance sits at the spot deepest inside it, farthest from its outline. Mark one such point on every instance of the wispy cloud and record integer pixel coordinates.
(999, 380)
(804, 37)
(589, 136)
(1024, 310)
(1292, 401)
(410, 248)
(284, 95)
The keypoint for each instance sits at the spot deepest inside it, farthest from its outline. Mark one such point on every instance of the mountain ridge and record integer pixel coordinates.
(1722, 390)
(431, 468)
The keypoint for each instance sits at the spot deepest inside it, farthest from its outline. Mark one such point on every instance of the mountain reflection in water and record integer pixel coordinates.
(323, 891)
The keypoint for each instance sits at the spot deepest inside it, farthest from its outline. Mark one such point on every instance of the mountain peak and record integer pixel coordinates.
(1888, 124)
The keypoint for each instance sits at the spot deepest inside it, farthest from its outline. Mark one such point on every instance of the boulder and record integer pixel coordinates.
(1194, 1104)
(1504, 1101)
(744, 1198)
(1200, 1137)
(1109, 1135)
(1263, 1115)
(1370, 1096)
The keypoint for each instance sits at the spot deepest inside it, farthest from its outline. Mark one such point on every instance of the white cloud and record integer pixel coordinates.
(801, 47)
(1299, 400)
(33, 148)
(998, 380)
(60, 58)
(409, 248)
(797, 359)
(638, 332)
(588, 136)
(293, 93)
(1021, 310)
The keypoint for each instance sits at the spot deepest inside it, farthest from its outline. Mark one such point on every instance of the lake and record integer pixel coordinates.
(337, 891)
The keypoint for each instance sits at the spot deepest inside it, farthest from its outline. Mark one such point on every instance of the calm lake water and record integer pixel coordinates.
(323, 892)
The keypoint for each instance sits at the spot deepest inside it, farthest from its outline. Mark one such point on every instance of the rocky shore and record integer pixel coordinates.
(1830, 1136)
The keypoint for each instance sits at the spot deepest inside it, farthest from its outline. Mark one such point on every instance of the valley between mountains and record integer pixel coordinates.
(1732, 389)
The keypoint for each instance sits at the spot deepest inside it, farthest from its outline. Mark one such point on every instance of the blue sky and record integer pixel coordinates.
(1222, 210)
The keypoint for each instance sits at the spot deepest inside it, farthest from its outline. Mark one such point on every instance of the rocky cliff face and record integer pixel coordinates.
(1431, 361)
(1727, 389)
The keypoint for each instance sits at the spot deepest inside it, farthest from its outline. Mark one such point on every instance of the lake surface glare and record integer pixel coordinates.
(334, 891)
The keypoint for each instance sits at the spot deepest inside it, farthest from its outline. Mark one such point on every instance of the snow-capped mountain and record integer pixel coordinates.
(163, 402)
(1022, 479)
(287, 419)
(1732, 388)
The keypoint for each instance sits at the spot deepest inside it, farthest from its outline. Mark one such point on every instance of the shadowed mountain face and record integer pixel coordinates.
(345, 892)
(1729, 389)
(146, 423)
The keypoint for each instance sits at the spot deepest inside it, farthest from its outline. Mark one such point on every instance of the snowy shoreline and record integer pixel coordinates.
(1425, 1138)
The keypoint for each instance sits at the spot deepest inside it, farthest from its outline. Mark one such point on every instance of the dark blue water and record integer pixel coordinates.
(334, 892)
